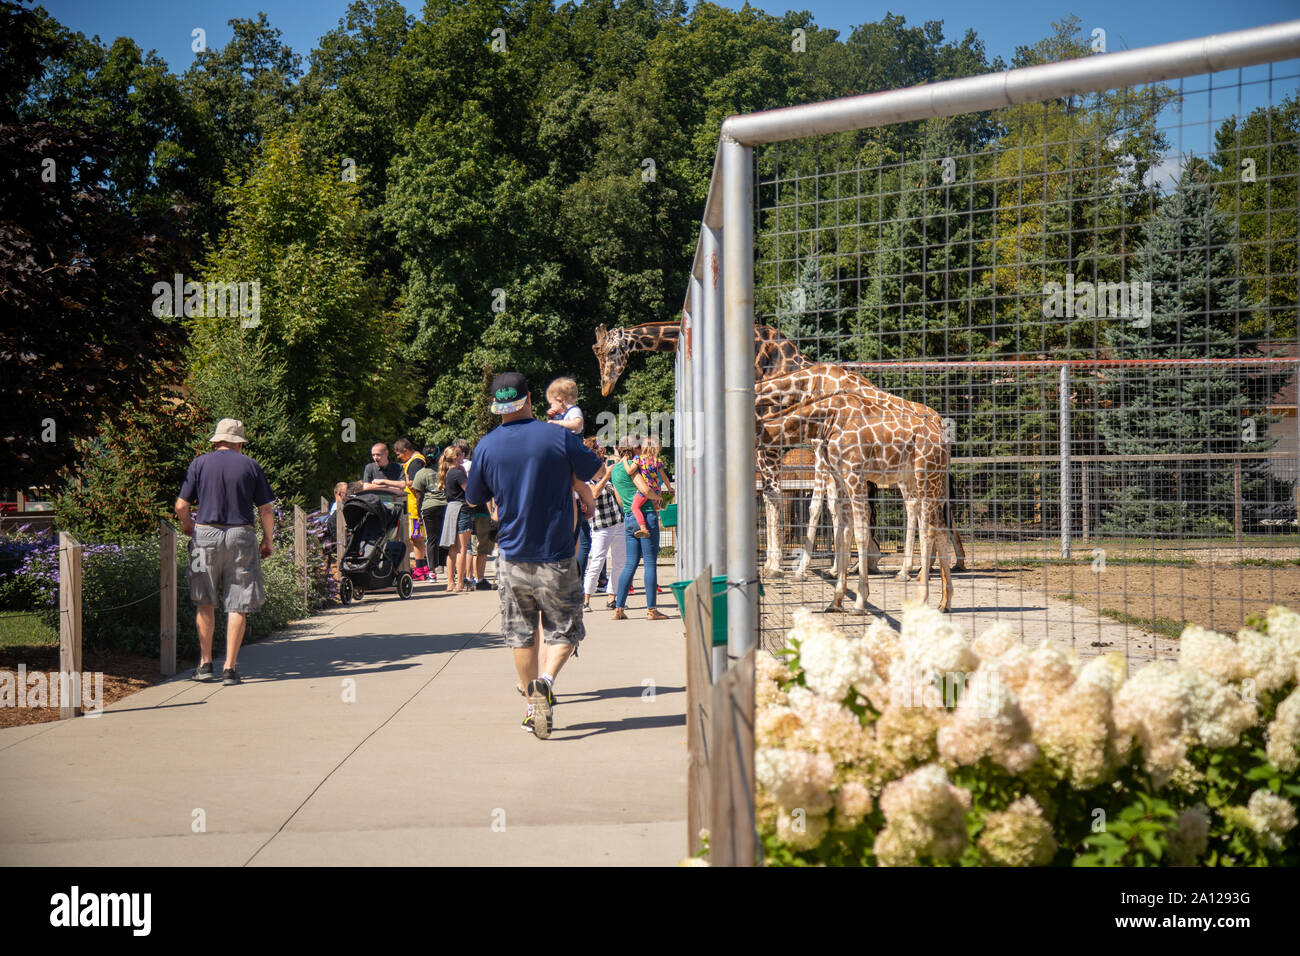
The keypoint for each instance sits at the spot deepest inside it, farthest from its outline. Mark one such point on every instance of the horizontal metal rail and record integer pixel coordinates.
(972, 94)
(1052, 365)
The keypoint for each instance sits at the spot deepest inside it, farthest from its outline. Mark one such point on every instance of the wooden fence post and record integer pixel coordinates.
(324, 505)
(733, 839)
(22, 502)
(69, 624)
(300, 548)
(697, 615)
(167, 599)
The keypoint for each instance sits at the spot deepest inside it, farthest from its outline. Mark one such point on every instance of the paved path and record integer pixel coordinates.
(427, 766)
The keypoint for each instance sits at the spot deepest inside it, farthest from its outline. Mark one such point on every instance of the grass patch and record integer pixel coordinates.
(1087, 561)
(1266, 563)
(1165, 626)
(20, 629)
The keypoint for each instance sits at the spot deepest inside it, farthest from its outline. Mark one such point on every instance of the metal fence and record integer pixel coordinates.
(1085, 272)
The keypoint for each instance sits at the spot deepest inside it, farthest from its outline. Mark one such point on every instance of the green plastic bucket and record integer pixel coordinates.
(668, 516)
(719, 603)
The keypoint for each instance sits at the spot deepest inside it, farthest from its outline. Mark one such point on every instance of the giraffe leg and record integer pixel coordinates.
(860, 530)
(773, 565)
(810, 537)
(941, 539)
(873, 543)
(909, 534)
(837, 525)
(820, 491)
(842, 561)
(927, 543)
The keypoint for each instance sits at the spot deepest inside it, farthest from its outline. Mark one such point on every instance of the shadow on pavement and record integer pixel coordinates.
(624, 723)
(356, 654)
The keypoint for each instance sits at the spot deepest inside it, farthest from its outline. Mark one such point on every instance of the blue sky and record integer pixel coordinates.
(167, 26)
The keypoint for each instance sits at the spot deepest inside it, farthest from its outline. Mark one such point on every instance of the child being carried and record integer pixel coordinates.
(655, 471)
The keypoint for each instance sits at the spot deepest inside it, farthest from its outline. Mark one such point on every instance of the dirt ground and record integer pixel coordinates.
(1136, 606)
(124, 674)
(1213, 596)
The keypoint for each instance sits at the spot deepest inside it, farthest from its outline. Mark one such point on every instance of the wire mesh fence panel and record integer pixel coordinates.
(1092, 300)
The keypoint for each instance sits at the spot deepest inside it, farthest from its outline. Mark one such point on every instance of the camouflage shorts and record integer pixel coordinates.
(552, 589)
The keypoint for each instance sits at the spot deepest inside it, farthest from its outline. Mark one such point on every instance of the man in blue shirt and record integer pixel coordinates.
(532, 470)
(225, 560)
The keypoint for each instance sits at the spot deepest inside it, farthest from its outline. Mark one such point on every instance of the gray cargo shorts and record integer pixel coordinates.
(552, 589)
(224, 562)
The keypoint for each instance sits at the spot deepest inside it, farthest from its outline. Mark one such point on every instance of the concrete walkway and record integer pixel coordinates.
(428, 766)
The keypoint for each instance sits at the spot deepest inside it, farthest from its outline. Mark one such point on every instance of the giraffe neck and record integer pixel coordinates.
(652, 337)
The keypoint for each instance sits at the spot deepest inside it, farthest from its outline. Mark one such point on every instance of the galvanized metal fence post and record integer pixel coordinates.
(738, 288)
(712, 416)
(679, 440)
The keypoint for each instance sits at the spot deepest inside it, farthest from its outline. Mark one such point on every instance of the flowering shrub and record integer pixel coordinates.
(921, 748)
(119, 585)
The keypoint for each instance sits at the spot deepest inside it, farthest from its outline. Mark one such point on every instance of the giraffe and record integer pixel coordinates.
(774, 354)
(858, 442)
(829, 379)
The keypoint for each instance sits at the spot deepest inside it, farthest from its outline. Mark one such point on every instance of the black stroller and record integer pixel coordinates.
(373, 555)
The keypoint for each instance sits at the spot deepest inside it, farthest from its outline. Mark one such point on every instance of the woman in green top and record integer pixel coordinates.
(628, 480)
(433, 506)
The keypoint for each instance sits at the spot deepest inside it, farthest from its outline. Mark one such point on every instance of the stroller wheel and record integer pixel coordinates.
(358, 593)
(404, 585)
(345, 590)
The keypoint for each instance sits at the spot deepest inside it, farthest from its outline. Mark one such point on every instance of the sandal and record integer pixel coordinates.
(654, 615)
(611, 605)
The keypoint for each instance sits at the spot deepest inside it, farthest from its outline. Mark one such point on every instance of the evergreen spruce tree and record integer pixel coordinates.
(806, 313)
(1197, 302)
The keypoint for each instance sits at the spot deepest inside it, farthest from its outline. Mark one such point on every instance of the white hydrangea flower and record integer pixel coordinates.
(1218, 715)
(795, 778)
(832, 664)
(988, 723)
(801, 831)
(924, 819)
(933, 644)
(883, 646)
(1108, 671)
(1283, 735)
(852, 803)
(1167, 707)
(1049, 672)
(1018, 836)
(1264, 660)
(1076, 732)
(1271, 817)
(1211, 653)
(996, 640)
(826, 725)
(1284, 627)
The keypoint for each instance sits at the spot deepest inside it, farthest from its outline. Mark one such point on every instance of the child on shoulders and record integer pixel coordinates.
(564, 411)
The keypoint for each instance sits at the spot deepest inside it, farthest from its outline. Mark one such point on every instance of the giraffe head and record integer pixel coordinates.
(611, 351)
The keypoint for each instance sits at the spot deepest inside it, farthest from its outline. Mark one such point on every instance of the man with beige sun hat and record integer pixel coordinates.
(225, 559)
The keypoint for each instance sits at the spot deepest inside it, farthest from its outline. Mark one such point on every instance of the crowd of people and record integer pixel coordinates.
(548, 501)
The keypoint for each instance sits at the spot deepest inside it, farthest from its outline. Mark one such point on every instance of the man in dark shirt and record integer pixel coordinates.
(532, 470)
(225, 560)
(384, 476)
